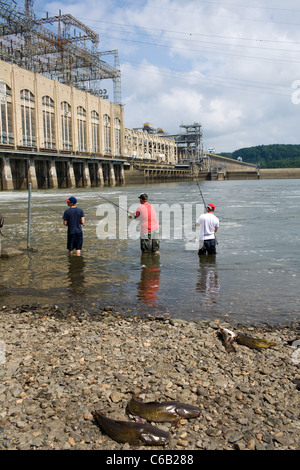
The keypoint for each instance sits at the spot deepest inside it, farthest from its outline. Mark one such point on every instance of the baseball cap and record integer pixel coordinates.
(72, 199)
(143, 196)
(211, 207)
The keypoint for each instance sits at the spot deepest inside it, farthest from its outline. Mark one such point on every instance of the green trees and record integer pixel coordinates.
(269, 156)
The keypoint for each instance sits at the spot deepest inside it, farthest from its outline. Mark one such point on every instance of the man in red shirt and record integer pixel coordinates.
(149, 228)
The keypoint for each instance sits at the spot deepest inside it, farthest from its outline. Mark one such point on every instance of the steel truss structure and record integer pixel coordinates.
(190, 143)
(71, 58)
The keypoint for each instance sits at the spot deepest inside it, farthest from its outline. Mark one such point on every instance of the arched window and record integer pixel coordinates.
(28, 118)
(48, 122)
(6, 125)
(106, 121)
(95, 131)
(81, 128)
(117, 136)
(66, 125)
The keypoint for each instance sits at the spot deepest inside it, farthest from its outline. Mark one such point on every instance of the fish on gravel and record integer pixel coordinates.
(228, 337)
(165, 411)
(131, 432)
(242, 338)
(254, 343)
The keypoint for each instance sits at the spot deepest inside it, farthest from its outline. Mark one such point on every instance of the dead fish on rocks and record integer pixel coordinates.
(246, 340)
(132, 432)
(297, 383)
(254, 343)
(228, 337)
(291, 341)
(158, 412)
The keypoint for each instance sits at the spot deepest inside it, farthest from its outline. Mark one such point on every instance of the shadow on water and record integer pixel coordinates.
(76, 275)
(148, 285)
(208, 283)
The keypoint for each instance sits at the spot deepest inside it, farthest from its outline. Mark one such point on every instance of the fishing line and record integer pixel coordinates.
(55, 210)
(115, 205)
(62, 210)
(201, 194)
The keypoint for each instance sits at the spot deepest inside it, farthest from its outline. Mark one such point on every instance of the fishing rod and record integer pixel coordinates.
(205, 206)
(116, 205)
(56, 210)
(201, 194)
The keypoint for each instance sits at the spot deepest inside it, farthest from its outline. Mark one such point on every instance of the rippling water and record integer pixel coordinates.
(254, 278)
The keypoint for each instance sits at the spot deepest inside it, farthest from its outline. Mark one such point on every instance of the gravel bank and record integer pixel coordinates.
(57, 368)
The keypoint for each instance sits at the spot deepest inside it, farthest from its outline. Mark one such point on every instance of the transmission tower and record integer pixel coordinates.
(69, 56)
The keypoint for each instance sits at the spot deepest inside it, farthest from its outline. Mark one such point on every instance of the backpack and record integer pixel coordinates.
(1, 223)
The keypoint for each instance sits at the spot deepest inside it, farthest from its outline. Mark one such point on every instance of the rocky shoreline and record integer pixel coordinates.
(57, 367)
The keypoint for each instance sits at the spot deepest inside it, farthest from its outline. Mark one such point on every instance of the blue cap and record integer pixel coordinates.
(72, 199)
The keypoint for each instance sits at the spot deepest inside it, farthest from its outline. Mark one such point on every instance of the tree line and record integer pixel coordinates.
(269, 156)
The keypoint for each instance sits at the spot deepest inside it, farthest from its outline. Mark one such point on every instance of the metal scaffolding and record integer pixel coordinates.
(69, 57)
(190, 143)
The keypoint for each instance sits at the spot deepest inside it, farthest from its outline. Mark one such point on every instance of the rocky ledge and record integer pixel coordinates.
(56, 369)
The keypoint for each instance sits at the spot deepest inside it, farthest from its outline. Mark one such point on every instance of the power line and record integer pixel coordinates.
(278, 89)
(204, 14)
(189, 33)
(268, 59)
(207, 42)
(195, 10)
(235, 5)
(267, 88)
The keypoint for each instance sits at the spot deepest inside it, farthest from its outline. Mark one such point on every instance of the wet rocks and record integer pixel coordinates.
(60, 366)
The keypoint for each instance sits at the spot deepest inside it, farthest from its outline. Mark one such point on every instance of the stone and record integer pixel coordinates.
(10, 252)
(62, 365)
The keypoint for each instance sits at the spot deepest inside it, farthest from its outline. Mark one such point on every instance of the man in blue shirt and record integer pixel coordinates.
(74, 219)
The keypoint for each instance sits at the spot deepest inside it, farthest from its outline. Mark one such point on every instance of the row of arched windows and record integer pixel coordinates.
(49, 131)
(6, 134)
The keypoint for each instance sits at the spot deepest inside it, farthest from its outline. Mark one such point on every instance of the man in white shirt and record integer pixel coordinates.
(209, 225)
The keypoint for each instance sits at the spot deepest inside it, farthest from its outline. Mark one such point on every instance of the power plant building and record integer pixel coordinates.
(57, 126)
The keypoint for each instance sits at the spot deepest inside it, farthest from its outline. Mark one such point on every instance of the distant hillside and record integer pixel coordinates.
(269, 156)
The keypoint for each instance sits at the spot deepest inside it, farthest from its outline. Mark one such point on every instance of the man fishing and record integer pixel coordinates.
(149, 228)
(74, 218)
(209, 225)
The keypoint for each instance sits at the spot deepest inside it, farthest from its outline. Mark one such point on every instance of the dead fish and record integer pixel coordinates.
(297, 383)
(291, 341)
(131, 432)
(228, 338)
(156, 412)
(254, 343)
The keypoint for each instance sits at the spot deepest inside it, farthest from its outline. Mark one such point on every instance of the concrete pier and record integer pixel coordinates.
(6, 180)
(32, 173)
(100, 174)
(45, 171)
(52, 175)
(59, 171)
(112, 178)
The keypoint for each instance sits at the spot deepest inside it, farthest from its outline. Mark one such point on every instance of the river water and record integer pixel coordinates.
(254, 278)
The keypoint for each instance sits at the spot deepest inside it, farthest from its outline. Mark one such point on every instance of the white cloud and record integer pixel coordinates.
(227, 65)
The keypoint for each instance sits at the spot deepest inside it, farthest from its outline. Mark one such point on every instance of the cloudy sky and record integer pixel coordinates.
(232, 66)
